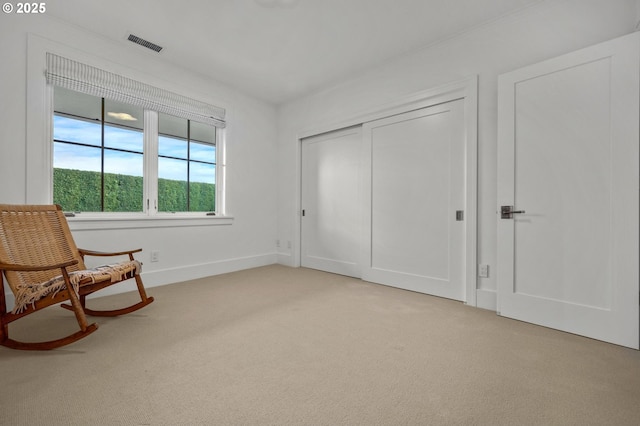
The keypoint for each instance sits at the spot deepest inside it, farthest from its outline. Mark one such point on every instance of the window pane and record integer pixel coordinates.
(171, 147)
(74, 130)
(171, 169)
(123, 182)
(172, 185)
(202, 132)
(77, 180)
(168, 125)
(76, 157)
(204, 173)
(77, 104)
(76, 177)
(122, 114)
(202, 188)
(121, 138)
(202, 152)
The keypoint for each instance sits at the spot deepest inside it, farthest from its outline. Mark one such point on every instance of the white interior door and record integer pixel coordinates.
(330, 234)
(414, 186)
(568, 158)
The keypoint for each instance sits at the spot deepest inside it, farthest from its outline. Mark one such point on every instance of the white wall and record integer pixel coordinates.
(545, 30)
(185, 252)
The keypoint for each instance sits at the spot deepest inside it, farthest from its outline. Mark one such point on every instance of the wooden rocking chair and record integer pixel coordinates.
(43, 267)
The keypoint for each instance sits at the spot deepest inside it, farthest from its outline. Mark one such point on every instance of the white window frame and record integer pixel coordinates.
(39, 153)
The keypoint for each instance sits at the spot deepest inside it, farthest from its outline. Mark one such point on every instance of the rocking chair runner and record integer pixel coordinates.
(43, 267)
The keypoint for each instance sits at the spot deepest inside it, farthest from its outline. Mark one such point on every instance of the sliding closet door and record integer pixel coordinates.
(330, 233)
(414, 198)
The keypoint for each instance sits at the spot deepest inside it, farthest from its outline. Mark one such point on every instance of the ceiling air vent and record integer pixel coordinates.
(145, 43)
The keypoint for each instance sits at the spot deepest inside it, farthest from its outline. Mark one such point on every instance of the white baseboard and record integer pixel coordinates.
(179, 274)
(487, 299)
(285, 259)
(192, 272)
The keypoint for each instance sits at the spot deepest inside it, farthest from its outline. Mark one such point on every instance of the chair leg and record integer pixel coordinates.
(75, 302)
(141, 290)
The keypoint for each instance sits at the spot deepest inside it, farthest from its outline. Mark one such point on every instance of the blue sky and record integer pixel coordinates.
(86, 158)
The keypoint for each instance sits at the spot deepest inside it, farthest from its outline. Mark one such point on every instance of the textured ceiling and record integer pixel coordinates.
(278, 50)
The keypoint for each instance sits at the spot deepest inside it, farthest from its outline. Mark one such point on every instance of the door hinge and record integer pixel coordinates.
(459, 215)
(303, 212)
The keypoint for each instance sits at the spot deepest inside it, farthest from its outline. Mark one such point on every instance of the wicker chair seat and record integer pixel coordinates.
(28, 294)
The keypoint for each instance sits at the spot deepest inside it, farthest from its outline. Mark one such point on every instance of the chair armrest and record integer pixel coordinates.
(84, 252)
(27, 268)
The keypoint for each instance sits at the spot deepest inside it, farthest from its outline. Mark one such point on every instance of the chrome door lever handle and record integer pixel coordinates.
(507, 212)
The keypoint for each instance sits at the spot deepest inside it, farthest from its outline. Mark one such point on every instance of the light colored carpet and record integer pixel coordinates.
(283, 346)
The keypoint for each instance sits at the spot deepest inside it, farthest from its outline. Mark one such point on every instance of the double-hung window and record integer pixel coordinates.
(123, 146)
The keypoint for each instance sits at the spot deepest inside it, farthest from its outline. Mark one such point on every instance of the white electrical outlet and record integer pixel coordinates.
(155, 256)
(483, 271)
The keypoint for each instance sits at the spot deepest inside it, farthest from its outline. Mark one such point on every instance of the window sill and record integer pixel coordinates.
(87, 221)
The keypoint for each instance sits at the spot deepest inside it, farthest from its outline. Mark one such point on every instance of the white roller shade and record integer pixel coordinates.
(84, 78)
